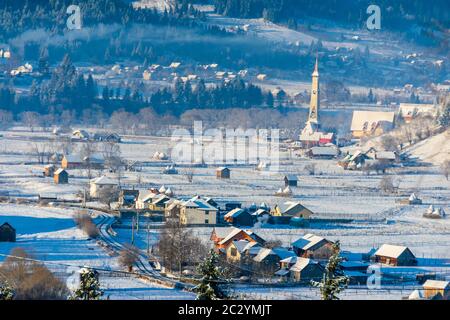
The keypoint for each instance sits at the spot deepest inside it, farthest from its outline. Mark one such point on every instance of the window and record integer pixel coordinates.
(206, 213)
(207, 221)
(233, 252)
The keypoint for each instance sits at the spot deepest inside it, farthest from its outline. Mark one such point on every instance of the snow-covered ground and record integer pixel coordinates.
(50, 233)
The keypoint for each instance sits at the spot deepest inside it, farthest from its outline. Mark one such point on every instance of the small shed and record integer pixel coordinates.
(223, 173)
(395, 256)
(7, 233)
(61, 176)
(239, 217)
(49, 170)
(290, 180)
(436, 289)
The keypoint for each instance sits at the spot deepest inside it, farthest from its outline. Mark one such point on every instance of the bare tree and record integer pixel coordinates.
(31, 279)
(84, 222)
(311, 169)
(88, 149)
(108, 195)
(390, 143)
(189, 174)
(387, 185)
(177, 247)
(128, 256)
(30, 119)
(40, 151)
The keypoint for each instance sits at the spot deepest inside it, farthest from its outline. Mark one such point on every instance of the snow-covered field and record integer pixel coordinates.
(331, 193)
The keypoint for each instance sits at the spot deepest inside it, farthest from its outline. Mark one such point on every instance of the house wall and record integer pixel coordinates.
(7, 234)
(233, 255)
(196, 216)
(431, 292)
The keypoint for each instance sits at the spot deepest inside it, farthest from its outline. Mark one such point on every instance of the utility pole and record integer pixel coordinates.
(137, 223)
(148, 237)
(132, 230)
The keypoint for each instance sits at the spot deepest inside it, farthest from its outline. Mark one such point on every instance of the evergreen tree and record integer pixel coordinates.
(89, 286)
(334, 280)
(444, 117)
(6, 292)
(209, 287)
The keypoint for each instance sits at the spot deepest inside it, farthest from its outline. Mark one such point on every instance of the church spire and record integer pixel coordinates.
(313, 118)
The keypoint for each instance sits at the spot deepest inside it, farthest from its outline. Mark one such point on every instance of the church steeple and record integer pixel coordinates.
(313, 118)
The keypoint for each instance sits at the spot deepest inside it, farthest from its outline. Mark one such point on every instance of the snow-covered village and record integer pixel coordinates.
(213, 150)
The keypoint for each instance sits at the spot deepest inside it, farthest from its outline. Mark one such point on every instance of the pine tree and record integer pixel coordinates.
(209, 289)
(89, 286)
(444, 117)
(334, 280)
(6, 292)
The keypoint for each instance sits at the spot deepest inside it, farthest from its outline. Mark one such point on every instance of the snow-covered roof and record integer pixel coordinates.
(198, 203)
(282, 253)
(386, 155)
(234, 213)
(409, 109)
(307, 241)
(234, 231)
(59, 171)
(436, 284)
(103, 180)
(391, 251)
(291, 177)
(366, 120)
(302, 263)
(416, 295)
(324, 151)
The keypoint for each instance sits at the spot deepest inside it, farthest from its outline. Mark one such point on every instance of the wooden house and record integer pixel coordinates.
(290, 180)
(7, 233)
(222, 238)
(283, 213)
(436, 290)
(239, 217)
(236, 252)
(269, 259)
(313, 247)
(394, 256)
(72, 162)
(61, 176)
(305, 270)
(223, 173)
(49, 170)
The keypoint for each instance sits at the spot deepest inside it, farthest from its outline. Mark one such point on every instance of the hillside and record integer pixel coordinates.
(434, 150)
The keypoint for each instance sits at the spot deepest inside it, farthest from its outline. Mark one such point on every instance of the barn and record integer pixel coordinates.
(223, 173)
(290, 180)
(61, 176)
(394, 256)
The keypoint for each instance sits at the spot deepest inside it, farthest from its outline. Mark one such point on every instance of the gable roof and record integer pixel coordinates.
(308, 241)
(236, 231)
(409, 109)
(198, 203)
(391, 251)
(281, 253)
(290, 205)
(436, 284)
(6, 224)
(291, 177)
(235, 213)
(302, 263)
(59, 171)
(103, 180)
(369, 119)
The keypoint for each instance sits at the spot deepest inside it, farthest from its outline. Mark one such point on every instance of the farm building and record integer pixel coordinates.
(7, 233)
(107, 136)
(269, 259)
(323, 152)
(394, 256)
(72, 162)
(291, 209)
(61, 176)
(49, 170)
(409, 111)
(197, 211)
(435, 289)
(222, 238)
(237, 250)
(301, 270)
(223, 173)
(371, 123)
(100, 183)
(314, 247)
(239, 217)
(145, 198)
(290, 180)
